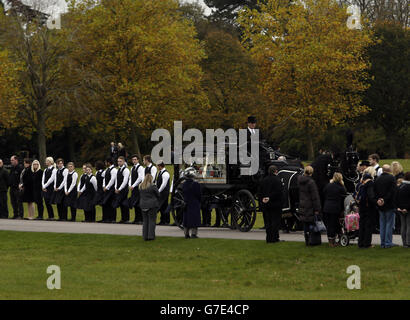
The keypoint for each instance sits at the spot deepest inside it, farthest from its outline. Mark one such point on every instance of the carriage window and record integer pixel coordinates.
(210, 173)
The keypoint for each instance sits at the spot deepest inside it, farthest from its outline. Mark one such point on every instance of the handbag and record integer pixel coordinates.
(315, 238)
(319, 225)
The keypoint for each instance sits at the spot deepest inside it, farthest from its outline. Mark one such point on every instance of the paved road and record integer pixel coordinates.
(132, 230)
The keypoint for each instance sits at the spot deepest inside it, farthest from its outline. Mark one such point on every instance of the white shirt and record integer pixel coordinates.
(141, 173)
(126, 174)
(93, 181)
(79, 187)
(251, 130)
(113, 177)
(51, 179)
(165, 178)
(73, 181)
(62, 184)
(379, 171)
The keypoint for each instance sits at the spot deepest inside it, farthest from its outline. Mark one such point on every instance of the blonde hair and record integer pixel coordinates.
(32, 165)
(370, 170)
(396, 168)
(308, 171)
(146, 183)
(337, 178)
(50, 159)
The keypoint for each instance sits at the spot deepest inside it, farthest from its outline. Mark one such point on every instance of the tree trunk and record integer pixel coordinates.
(135, 144)
(310, 147)
(41, 138)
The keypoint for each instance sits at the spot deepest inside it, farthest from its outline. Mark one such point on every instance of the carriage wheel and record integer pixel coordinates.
(243, 211)
(178, 204)
(344, 240)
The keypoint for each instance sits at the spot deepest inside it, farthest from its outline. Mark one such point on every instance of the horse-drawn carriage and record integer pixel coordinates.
(231, 194)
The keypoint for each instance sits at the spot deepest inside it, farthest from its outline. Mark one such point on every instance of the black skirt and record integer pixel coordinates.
(99, 198)
(58, 197)
(71, 199)
(82, 202)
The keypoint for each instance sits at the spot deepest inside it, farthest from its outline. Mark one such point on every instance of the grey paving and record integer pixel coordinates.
(136, 230)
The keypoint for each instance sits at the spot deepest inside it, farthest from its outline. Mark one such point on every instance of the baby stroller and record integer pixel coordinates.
(349, 223)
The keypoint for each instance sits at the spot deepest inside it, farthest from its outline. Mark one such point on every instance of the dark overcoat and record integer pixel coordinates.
(192, 196)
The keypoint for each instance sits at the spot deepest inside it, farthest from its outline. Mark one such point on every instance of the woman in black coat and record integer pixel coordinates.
(192, 213)
(26, 187)
(367, 210)
(309, 201)
(70, 191)
(149, 204)
(334, 194)
(403, 207)
(37, 188)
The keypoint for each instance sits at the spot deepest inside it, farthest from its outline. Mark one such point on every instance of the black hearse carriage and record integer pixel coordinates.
(233, 195)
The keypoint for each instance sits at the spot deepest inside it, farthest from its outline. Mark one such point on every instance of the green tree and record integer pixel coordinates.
(388, 95)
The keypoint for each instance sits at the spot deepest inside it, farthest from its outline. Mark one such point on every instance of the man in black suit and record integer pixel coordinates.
(4, 186)
(163, 185)
(113, 152)
(385, 193)
(15, 197)
(270, 197)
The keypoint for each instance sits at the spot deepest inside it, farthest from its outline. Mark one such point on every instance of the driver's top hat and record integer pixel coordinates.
(251, 119)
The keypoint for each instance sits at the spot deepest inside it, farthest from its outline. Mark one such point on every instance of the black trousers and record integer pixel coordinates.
(109, 214)
(206, 215)
(16, 203)
(125, 212)
(40, 208)
(165, 216)
(62, 211)
(90, 215)
(365, 231)
(333, 224)
(4, 210)
(272, 223)
(73, 213)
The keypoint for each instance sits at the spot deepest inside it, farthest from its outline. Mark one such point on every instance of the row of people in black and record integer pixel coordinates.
(60, 185)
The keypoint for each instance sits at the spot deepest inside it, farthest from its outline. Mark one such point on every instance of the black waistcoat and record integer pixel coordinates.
(134, 174)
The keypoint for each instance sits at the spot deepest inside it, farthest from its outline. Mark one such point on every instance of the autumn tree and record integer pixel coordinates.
(138, 63)
(10, 95)
(311, 65)
(37, 50)
(229, 80)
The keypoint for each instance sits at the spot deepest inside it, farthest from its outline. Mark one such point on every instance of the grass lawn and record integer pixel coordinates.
(125, 267)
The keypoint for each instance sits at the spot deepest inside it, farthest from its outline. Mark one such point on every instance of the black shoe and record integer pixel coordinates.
(187, 236)
(121, 221)
(262, 228)
(38, 218)
(216, 226)
(174, 225)
(194, 236)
